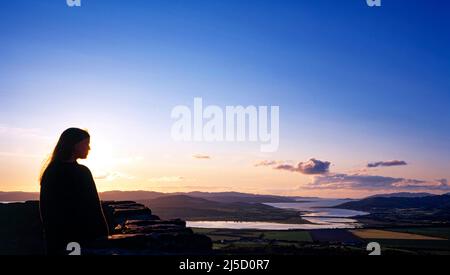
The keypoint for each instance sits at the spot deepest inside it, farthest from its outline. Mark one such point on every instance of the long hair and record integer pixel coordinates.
(65, 147)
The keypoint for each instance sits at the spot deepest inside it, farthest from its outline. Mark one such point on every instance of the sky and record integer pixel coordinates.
(363, 92)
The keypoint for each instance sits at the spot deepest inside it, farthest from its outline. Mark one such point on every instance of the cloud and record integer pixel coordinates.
(192, 188)
(111, 176)
(19, 155)
(314, 166)
(167, 179)
(22, 142)
(373, 182)
(387, 163)
(287, 167)
(18, 132)
(201, 157)
(265, 163)
(310, 167)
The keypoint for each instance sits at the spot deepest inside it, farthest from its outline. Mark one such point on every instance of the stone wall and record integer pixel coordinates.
(134, 230)
(21, 229)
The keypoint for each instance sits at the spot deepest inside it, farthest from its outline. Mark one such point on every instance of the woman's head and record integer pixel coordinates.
(72, 145)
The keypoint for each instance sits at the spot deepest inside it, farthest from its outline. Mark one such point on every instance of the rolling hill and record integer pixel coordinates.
(149, 195)
(18, 196)
(402, 195)
(427, 202)
(239, 197)
(395, 211)
(194, 208)
(129, 195)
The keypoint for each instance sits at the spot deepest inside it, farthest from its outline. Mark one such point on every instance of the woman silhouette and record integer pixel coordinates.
(69, 203)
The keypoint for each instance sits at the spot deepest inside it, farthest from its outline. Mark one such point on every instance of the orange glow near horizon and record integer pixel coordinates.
(118, 164)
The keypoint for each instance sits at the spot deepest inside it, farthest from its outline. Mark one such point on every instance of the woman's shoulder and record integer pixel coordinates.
(51, 169)
(84, 168)
(67, 168)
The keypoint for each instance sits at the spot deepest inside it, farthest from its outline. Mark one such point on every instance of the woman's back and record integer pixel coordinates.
(70, 206)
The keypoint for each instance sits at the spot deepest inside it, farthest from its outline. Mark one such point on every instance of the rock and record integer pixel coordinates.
(165, 228)
(134, 230)
(21, 230)
(139, 232)
(154, 242)
(123, 214)
(154, 222)
(127, 241)
(193, 243)
(115, 203)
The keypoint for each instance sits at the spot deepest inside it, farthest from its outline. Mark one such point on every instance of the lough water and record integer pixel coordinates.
(316, 211)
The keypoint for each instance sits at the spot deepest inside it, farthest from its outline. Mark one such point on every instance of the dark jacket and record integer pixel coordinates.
(70, 207)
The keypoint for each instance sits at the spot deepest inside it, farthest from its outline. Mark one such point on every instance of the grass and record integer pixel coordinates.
(423, 246)
(393, 235)
(290, 236)
(399, 241)
(439, 232)
(233, 235)
(242, 233)
(219, 238)
(255, 241)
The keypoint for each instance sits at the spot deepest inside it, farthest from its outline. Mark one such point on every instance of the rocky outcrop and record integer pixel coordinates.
(21, 229)
(134, 230)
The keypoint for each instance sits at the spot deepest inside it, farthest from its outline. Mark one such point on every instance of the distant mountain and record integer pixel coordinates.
(239, 197)
(195, 208)
(18, 196)
(148, 195)
(106, 196)
(129, 195)
(297, 198)
(376, 203)
(218, 197)
(402, 195)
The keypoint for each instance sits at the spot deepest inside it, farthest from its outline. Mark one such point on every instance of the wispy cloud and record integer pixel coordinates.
(14, 132)
(387, 163)
(111, 176)
(127, 160)
(267, 163)
(166, 179)
(22, 142)
(20, 155)
(192, 188)
(198, 156)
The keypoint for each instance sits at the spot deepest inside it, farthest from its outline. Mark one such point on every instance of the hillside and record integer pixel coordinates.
(396, 211)
(239, 197)
(18, 196)
(192, 208)
(428, 202)
(402, 195)
(149, 195)
(129, 195)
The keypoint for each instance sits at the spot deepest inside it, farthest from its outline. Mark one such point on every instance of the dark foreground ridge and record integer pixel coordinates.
(135, 230)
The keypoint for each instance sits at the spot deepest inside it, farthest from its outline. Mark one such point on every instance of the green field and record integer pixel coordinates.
(234, 235)
(301, 242)
(256, 241)
(241, 233)
(290, 236)
(439, 232)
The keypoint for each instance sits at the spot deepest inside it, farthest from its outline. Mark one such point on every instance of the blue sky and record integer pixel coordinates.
(354, 84)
